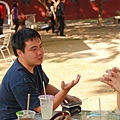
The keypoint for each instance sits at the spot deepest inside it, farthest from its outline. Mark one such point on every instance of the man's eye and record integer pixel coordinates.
(34, 49)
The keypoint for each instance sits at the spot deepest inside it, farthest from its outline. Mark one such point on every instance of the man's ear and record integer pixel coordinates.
(19, 52)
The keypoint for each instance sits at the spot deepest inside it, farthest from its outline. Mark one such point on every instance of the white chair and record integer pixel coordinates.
(4, 46)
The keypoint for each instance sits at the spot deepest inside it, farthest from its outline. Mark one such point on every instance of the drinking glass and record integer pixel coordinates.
(26, 115)
(46, 104)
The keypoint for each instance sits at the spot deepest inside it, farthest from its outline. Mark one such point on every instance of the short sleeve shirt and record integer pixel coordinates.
(15, 12)
(16, 85)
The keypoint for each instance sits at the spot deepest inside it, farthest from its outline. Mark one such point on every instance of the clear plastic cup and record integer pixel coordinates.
(46, 104)
(26, 115)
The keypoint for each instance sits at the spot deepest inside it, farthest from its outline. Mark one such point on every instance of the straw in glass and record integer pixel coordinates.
(28, 103)
(44, 89)
(99, 105)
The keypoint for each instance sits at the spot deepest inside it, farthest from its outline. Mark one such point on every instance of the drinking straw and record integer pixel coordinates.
(44, 89)
(28, 103)
(99, 105)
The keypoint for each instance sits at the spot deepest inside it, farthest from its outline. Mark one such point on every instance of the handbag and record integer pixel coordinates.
(48, 13)
(73, 107)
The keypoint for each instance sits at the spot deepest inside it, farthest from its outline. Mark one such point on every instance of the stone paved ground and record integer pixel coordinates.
(87, 50)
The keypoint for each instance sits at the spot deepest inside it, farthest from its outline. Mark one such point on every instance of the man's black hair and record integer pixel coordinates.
(19, 38)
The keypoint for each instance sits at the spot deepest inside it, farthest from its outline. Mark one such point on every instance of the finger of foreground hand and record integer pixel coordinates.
(77, 99)
(105, 76)
(115, 69)
(108, 70)
(77, 79)
(67, 86)
(103, 80)
(78, 76)
(107, 81)
(73, 98)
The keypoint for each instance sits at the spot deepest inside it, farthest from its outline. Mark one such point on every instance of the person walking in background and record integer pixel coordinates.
(14, 13)
(112, 78)
(27, 76)
(60, 16)
(1, 18)
(50, 13)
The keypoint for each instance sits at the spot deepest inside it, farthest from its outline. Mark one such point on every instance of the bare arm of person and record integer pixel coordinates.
(50, 89)
(12, 12)
(53, 91)
(57, 100)
(118, 100)
(59, 97)
(53, 12)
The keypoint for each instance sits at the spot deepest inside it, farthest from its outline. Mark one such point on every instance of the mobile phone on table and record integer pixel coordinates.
(72, 104)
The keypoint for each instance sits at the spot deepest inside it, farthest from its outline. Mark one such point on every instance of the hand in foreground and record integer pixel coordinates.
(69, 85)
(70, 98)
(112, 78)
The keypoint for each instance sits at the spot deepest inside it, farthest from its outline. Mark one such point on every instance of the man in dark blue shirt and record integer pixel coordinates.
(25, 77)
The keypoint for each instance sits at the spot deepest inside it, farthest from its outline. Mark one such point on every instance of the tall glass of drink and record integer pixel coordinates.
(46, 104)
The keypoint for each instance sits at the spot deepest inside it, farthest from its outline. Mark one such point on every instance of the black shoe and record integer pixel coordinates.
(63, 35)
(47, 29)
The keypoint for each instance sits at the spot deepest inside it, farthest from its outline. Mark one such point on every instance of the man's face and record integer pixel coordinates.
(33, 53)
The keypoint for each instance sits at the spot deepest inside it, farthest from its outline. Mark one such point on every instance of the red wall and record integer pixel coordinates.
(3, 10)
(82, 9)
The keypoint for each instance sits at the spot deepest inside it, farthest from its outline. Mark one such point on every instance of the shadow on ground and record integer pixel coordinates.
(87, 49)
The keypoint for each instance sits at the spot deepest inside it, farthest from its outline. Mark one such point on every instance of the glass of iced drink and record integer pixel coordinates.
(26, 115)
(46, 104)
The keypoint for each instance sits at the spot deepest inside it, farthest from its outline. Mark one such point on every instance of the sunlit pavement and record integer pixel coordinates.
(65, 57)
